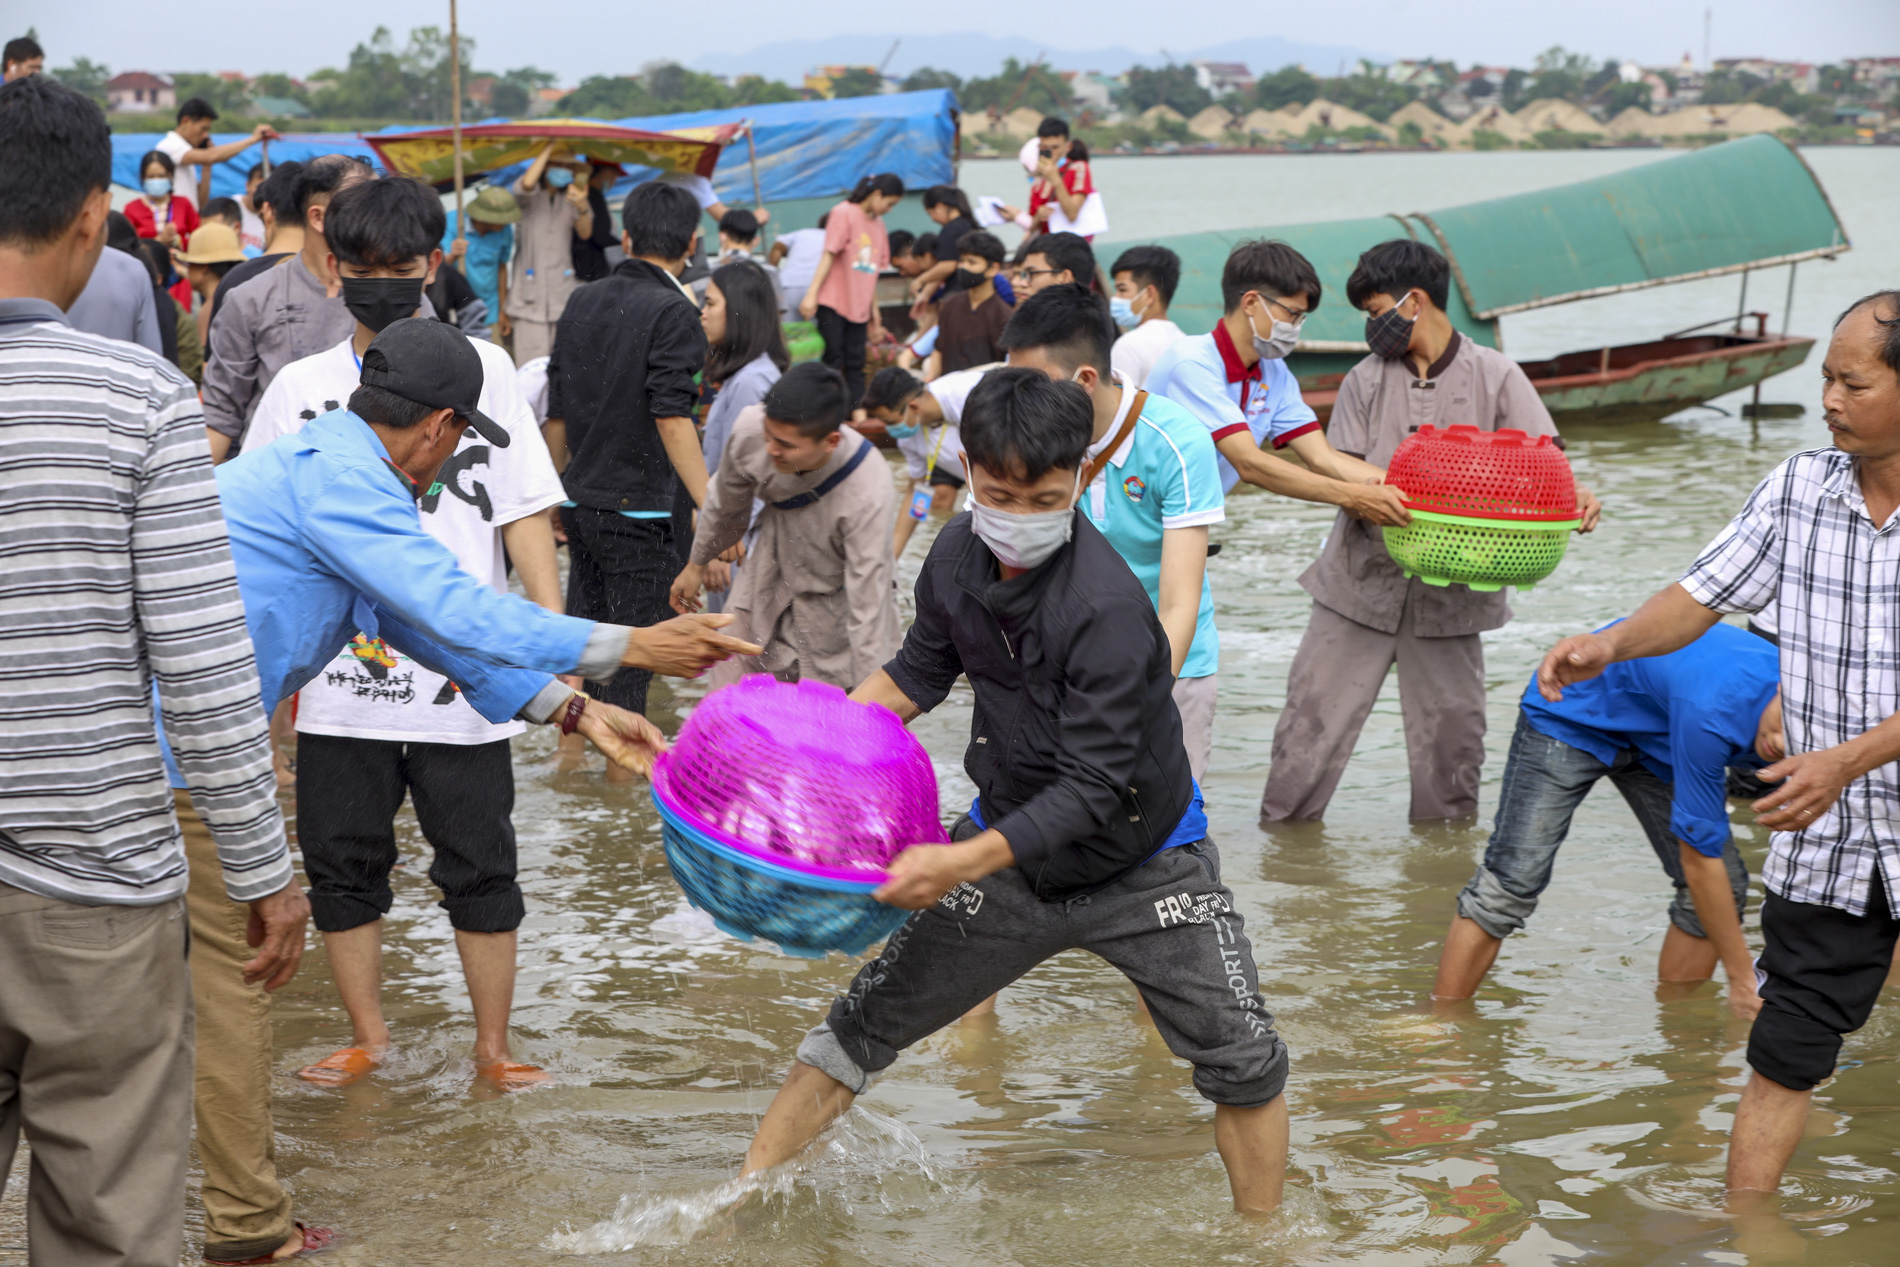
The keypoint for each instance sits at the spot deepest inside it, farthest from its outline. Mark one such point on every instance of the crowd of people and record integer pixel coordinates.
(394, 412)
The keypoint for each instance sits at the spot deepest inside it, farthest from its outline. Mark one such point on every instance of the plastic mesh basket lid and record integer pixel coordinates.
(1484, 475)
(801, 774)
(1486, 554)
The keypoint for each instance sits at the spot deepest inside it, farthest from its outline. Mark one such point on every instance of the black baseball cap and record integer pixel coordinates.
(433, 364)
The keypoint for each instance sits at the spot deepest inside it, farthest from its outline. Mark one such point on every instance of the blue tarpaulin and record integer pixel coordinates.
(807, 149)
(820, 149)
(227, 178)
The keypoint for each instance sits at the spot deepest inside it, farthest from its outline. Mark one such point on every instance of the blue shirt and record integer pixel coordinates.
(327, 541)
(1164, 476)
(1191, 829)
(1203, 374)
(488, 254)
(1690, 715)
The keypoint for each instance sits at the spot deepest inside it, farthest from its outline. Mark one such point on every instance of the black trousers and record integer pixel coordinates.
(1825, 969)
(348, 792)
(844, 349)
(620, 571)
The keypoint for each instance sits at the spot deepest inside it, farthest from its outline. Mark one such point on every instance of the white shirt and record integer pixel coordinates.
(1137, 351)
(1806, 543)
(185, 179)
(803, 249)
(371, 691)
(698, 186)
(533, 380)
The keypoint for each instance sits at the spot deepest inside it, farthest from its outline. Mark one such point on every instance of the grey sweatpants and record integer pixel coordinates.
(1335, 678)
(1170, 927)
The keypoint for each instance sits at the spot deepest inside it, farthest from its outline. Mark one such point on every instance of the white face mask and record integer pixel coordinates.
(1284, 339)
(1024, 540)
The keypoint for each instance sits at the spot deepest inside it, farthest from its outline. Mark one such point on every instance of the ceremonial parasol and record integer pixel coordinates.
(429, 154)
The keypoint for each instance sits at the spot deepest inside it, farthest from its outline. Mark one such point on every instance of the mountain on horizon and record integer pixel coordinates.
(969, 54)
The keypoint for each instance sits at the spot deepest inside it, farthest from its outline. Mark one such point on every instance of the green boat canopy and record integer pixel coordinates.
(1750, 203)
(1743, 204)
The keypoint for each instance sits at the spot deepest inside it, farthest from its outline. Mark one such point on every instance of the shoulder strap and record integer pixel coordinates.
(1109, 450)
(800, 500)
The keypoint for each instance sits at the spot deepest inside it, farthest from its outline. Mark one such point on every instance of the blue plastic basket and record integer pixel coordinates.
(804, 914)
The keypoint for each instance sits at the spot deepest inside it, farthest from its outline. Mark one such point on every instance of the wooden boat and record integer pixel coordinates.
(1734, 208)
(1635, 382)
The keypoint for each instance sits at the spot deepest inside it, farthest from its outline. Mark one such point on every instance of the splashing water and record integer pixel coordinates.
(861, 1144)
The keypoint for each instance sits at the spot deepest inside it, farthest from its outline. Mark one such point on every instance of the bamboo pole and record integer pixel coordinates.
(455, 122)
(758, 189)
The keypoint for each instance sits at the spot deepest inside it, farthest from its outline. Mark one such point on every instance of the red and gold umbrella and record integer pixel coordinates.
(429, 154)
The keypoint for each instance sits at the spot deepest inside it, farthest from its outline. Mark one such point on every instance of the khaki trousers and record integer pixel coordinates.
(1335, 678)
(95, 1066)
(1194, 699)
(247, 1211)
(532, 339)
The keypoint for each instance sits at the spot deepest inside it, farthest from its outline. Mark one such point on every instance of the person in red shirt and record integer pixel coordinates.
(156, 213)
(1062, 175)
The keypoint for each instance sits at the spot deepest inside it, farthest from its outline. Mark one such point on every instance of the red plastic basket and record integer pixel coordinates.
(1484, 475)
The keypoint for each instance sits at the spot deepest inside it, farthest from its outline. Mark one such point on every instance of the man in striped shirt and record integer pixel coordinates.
(116, 574)
(1820, 538)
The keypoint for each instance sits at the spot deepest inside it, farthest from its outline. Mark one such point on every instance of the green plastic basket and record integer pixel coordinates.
(1486, 554)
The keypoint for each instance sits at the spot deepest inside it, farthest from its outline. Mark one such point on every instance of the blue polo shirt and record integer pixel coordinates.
(1203, 373)
(1690, 714)
(1165, 475)
(488, 254)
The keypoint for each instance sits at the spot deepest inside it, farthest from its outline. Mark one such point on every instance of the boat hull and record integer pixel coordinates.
(1638, 382)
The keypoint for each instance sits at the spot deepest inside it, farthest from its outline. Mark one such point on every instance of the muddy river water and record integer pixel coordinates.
(1574, 1112)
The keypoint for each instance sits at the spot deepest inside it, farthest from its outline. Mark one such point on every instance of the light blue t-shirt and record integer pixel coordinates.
(1165, 475)
(1203, 374)
(488, 254)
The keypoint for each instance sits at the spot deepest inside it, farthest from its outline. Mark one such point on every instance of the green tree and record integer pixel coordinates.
(384, 82)
(678, 89)
(1620, 96)
(609, 97)
(756, 90)
(276, 84)
(1287, 86)
(927, 77)
(857, 81)
(1368, 91)
(1171, 85)
(227, 97)
(1017, 85)
(1512, 93)
(514, 92)
(87, 76)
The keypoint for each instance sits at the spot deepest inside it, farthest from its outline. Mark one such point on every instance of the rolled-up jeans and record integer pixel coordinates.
(1545, 780)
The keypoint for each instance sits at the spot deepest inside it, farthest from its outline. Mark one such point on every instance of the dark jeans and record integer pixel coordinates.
(844, 349)
(1545, 780)
(1170, 926)
(1824, 970)
(619, 572)
(348, 792)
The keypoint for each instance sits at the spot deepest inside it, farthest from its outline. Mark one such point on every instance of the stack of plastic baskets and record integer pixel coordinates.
(781, 806)
(1489, 508)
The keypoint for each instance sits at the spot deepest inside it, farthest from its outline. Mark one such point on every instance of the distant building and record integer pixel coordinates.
(280, 107)
(1804, 76)
(140, 92)
(1223, 78)
(1421, 75)
(1092, 89)
(544, 101)
(1881, 74)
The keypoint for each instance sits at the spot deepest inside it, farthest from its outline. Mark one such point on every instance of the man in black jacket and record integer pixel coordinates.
(620, 426)
(1086, 833)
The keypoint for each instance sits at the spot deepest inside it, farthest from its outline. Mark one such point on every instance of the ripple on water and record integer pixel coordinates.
(861, 1145)
(1701, 1191)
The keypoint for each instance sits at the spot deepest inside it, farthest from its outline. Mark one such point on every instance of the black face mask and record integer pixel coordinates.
(380, 302)
(1389, 333)
(966, 280)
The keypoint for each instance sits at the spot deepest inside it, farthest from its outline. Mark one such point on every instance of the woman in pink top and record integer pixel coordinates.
(842, 297)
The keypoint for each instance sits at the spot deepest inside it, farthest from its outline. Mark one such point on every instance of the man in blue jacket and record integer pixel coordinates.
(1665, 730)
(327, 542)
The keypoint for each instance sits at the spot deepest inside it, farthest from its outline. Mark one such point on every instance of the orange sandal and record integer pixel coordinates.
(340, 1068)
(510, 1076)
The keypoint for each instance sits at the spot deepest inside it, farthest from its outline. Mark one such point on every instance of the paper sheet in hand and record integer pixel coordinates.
(989, 211)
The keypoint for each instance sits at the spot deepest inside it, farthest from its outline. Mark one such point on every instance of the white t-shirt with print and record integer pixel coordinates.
(369, 691)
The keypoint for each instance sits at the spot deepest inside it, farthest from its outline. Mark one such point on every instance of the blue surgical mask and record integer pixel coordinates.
(900, 430)
(559, 178)
(1124, 313)
(157, 186)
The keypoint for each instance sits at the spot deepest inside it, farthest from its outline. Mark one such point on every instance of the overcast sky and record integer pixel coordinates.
(575, 38)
